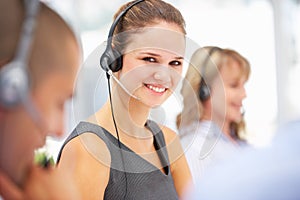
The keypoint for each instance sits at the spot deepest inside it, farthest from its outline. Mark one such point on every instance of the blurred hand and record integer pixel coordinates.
(41, 184)
(8, 190)
(44, 184)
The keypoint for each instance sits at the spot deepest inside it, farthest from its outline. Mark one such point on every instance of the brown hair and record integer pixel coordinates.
(143, 14)
(192, 106)
(49, 36)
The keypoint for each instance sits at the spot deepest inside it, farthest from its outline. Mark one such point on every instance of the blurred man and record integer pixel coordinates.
(36, 44)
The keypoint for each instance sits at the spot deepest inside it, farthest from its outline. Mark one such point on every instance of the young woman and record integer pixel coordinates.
(121, 154)
(211, 121)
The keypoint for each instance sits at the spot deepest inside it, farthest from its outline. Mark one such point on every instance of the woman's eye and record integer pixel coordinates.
(149, 59)
(175, 63)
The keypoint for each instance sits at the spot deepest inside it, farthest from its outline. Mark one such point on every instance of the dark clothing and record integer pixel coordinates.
(131, 176)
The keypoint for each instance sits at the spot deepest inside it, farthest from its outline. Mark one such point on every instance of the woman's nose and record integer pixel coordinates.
(163, 75)
(243, 92)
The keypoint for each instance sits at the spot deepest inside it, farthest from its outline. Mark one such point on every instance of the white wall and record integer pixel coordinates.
(244, 25)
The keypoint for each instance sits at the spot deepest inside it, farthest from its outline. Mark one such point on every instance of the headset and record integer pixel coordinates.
(204, 90)
(14, 77)
(112, 59)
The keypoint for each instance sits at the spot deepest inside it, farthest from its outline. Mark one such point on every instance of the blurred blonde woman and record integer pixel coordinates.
(211, 124)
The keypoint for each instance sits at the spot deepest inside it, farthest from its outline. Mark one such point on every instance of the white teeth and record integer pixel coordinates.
(156, 89)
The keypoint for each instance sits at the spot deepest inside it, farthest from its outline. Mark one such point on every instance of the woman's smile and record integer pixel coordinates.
(156, 89)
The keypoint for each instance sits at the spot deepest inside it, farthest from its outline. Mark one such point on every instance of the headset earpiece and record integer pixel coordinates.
(14, 84)
(117, 61)
(111, 60)
(204, 91)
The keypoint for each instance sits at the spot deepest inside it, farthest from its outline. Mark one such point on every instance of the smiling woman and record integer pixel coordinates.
(121, 154)
(211, 123)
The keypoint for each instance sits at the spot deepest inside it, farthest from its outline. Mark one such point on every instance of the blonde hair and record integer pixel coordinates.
(200, 66)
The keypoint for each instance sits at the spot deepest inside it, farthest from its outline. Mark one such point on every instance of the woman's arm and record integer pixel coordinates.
(92, 164)
(179, 167)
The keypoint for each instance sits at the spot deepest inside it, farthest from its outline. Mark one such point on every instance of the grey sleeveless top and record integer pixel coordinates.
(131, 176)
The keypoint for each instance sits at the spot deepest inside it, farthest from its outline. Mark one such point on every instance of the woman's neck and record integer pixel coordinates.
(221, 123)
(130, 116)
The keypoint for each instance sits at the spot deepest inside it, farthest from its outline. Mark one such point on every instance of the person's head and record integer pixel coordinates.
(151, 33)
(224, 73)
(53, 60)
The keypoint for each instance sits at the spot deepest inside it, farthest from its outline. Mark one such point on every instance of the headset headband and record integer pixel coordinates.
(205, 63)
(111, 60)
(117, 20)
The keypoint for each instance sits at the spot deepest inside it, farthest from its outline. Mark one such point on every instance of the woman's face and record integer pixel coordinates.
(229, 92)
(152, 63)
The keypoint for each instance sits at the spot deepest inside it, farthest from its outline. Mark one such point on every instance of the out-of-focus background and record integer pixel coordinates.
(266, 32)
